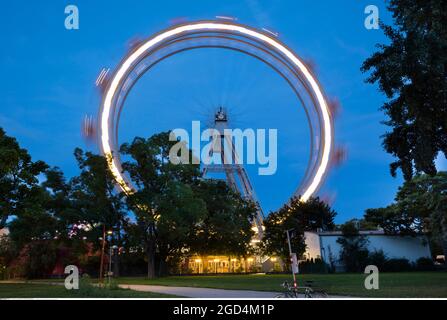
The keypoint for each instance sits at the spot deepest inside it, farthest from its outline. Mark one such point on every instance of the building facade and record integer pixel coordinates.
(225, 264)
(323, 245)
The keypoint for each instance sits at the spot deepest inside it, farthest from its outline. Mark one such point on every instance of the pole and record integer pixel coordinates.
(101, 268)
(291, 259)
(110, 264)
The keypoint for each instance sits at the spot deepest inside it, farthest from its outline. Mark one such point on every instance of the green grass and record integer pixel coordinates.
(392, 285)
(32, 290)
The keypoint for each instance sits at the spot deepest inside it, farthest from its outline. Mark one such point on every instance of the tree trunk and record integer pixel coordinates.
(150, 251)
(162, 269)
(116, 266)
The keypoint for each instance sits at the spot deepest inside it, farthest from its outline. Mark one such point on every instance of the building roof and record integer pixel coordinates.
(363, 233)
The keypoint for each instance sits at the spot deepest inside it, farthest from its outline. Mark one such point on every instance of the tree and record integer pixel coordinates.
(394, 221)
(34, 234)
(180, 213)
(157, 178)
(420, 207)
(226, 228)
(412, 72)
(300, 216)
(18, 178)
(425, 198)
(354, 248)
(97, 203)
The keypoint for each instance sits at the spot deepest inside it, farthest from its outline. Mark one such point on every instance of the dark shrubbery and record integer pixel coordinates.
(378, 258)
(354, 248)
(397, 265)
(39, 259)
(313, 266)
(425, 264)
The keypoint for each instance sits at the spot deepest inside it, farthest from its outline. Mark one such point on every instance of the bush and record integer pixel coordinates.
(3, 272)
(425, 264)
(378, 259)
(311, 266)
(38, 259)
(89, 290)
(397, 265)
(354, 253)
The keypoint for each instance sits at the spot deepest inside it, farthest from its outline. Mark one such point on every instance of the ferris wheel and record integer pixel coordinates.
(226, 35)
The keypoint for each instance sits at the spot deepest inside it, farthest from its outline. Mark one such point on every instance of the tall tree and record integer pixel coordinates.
(395, 221)
(299, 216)
(18, 178)
(354, 248)
(412, 72)
(94, 192)
(157, 178)
(420, 207)
(96, 200)
(226, 229)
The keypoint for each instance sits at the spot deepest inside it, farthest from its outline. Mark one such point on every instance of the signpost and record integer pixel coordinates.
(293, 259)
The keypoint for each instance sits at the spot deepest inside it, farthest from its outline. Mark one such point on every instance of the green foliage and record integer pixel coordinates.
(397, 265)
(354, 248)
(157, 213)
(94, 196)
(38, 259)
(378, 259)
(425, 264)
(420, 207)
(226, 227)
(313, 266)
(18, 179)
(57, 210)
(394, 221)
(87, 289)
(411, 71)
(34, 225)
(179, 212)
(299, 216)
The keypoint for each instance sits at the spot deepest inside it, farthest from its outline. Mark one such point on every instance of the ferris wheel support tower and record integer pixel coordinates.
(236, 176)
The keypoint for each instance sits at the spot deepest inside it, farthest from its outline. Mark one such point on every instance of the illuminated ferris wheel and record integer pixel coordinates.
(228, 35)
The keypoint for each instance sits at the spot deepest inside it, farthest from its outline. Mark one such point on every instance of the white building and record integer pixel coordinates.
(324, 244)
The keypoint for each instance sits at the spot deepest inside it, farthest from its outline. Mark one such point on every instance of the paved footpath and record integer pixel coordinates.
(191, 292)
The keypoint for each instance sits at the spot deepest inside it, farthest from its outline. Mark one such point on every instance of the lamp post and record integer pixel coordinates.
(111, 253)
(101, 268)
(293, 259)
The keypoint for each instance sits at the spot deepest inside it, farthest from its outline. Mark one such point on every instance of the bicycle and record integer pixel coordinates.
(309, 292)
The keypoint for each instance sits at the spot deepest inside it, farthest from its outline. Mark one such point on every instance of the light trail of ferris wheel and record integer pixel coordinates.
(126, 66)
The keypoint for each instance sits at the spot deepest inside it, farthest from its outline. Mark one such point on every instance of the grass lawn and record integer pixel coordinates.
(28, 290)
(392, 285)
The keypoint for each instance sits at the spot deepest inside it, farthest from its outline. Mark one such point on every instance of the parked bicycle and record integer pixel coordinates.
(307, 290)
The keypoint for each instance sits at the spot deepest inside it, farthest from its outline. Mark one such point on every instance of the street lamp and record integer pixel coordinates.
(111, 253)
(293, 258)
(101, 267)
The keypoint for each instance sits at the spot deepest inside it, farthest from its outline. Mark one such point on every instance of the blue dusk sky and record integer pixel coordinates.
(48, 73)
